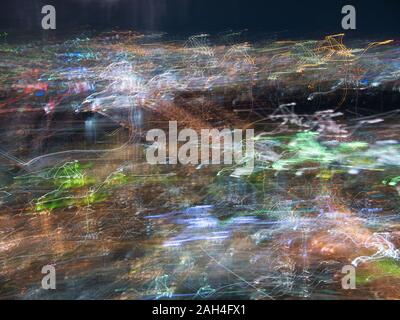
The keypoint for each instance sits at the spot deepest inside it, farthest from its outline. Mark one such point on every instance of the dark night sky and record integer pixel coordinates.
(374, 17)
